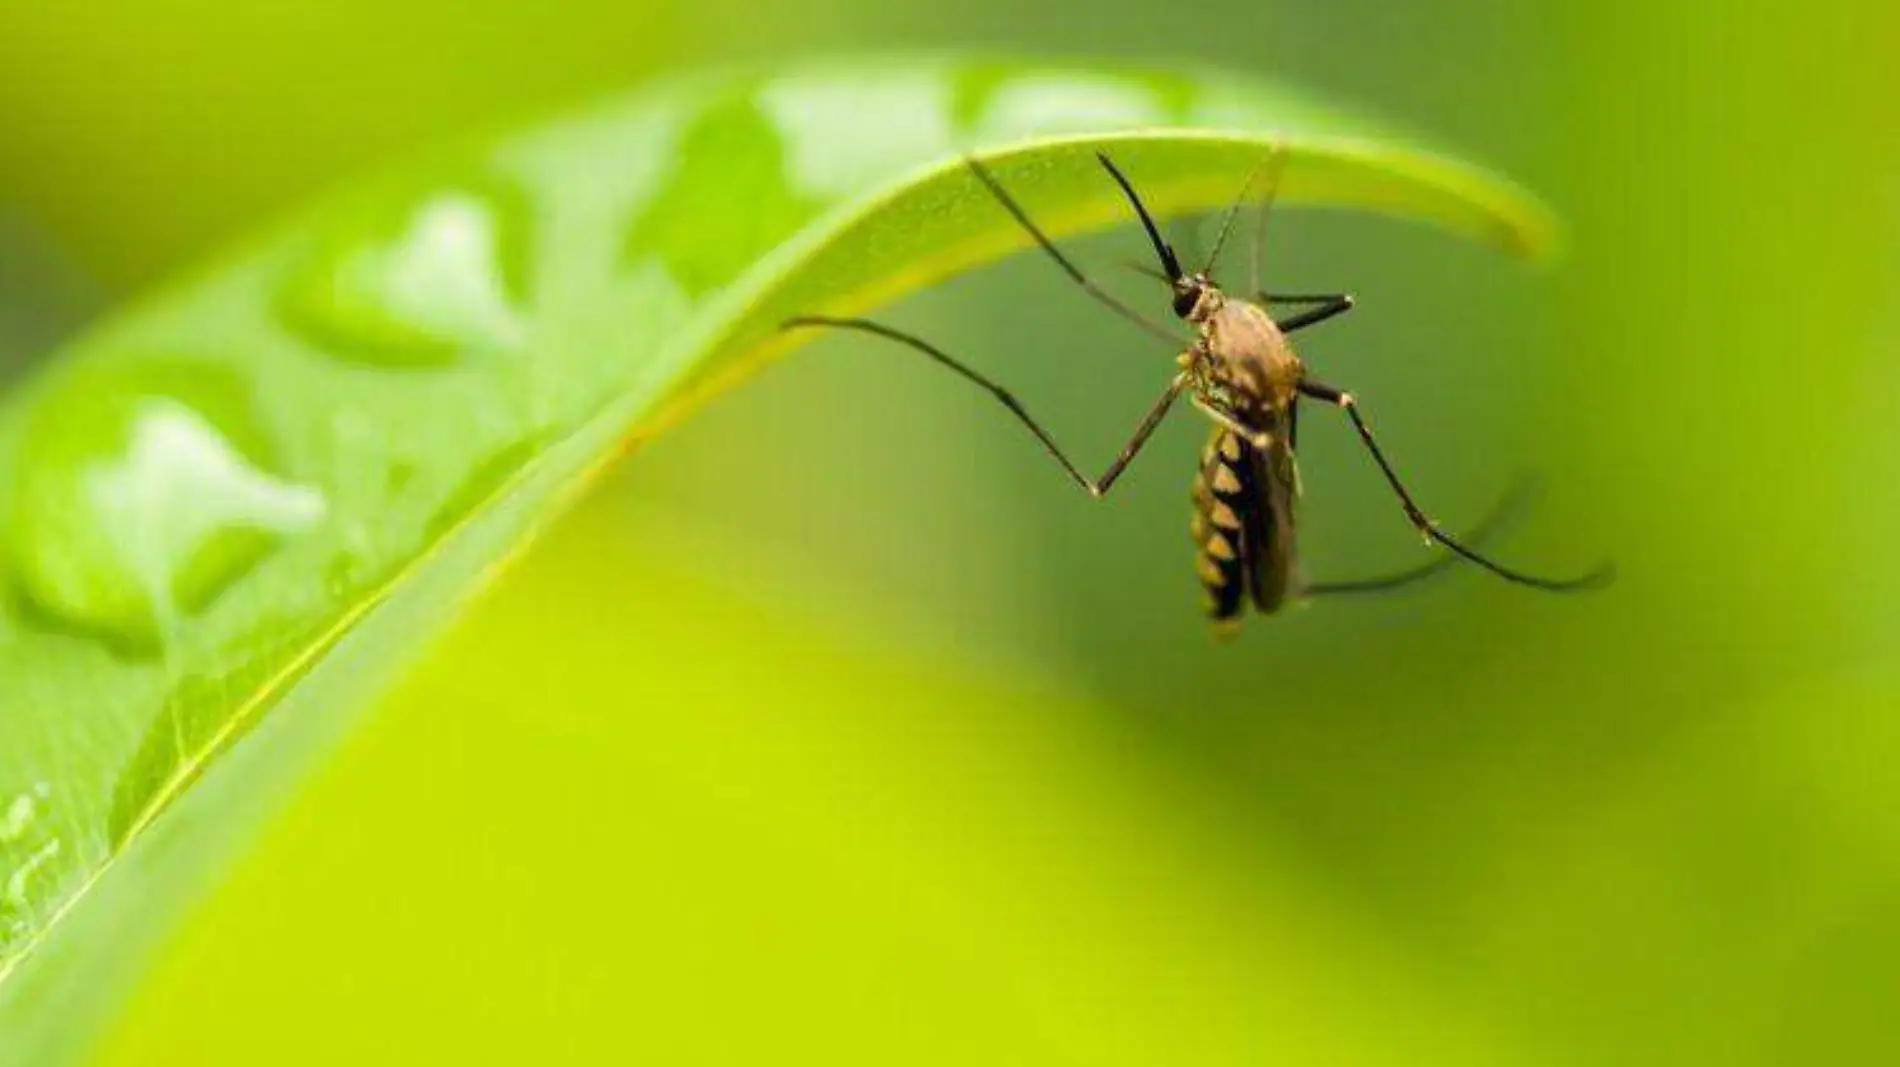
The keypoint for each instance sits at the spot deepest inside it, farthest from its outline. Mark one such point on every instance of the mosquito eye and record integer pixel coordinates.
(1184, 301)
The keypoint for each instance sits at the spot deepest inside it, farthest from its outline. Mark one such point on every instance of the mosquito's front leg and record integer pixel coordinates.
(1101, 295)
(1097, 487)
(1329, 305)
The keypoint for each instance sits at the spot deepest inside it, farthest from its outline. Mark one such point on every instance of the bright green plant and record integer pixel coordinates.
(234, 512)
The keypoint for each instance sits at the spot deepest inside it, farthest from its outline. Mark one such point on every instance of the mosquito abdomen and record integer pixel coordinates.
(1220, 526)
(1243, 526)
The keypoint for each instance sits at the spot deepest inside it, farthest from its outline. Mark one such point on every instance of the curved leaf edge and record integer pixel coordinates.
(1526, 229)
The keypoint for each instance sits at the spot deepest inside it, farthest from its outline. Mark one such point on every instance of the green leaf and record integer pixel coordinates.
(234, 512)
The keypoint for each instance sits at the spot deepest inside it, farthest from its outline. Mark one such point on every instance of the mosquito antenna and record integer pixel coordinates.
(1233, 211)
(1075, 273)
(1184, 237)
(1166, 254)
(1276, 164)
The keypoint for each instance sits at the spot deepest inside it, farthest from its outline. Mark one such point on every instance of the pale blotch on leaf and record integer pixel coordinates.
(445, 274)
(431, 288)
(18, 816)
(179, 485)
(16, 896)
(139, 510)
(26, 854)
(903, 119)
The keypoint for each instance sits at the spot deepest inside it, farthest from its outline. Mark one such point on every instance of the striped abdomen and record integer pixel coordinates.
(1243, 525)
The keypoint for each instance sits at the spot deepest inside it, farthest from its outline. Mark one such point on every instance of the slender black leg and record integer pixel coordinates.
(1384, 583)
(1068, 267)
(1097, 487)
(1512, 504)
(1335, 303)
(1330, 306)
(1301, 298)
(1425, 526)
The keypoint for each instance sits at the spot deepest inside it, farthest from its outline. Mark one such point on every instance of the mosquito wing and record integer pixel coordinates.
(1275, 481)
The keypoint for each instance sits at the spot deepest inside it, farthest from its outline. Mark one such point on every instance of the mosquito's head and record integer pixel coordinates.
(1195, 296)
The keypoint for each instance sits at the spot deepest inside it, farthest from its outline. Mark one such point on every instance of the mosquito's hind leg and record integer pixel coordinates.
(1508, 508)
(1431, 530)
(1097, 487)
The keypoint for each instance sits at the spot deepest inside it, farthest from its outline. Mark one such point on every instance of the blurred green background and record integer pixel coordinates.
(838, 728)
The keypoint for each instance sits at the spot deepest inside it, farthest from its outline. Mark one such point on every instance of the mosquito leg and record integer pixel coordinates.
(1301, 298)
(1268, 298)
(1276, 162)
(1068, 267)
(1147, 428)
(1270, 164)
(1258, 438)
(1508, 508)
(1382, 584)
(1330, 306)
(1097, 487)
(1425, 526)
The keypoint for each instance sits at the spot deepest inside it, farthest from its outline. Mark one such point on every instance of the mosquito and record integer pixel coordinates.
(1240, 370)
